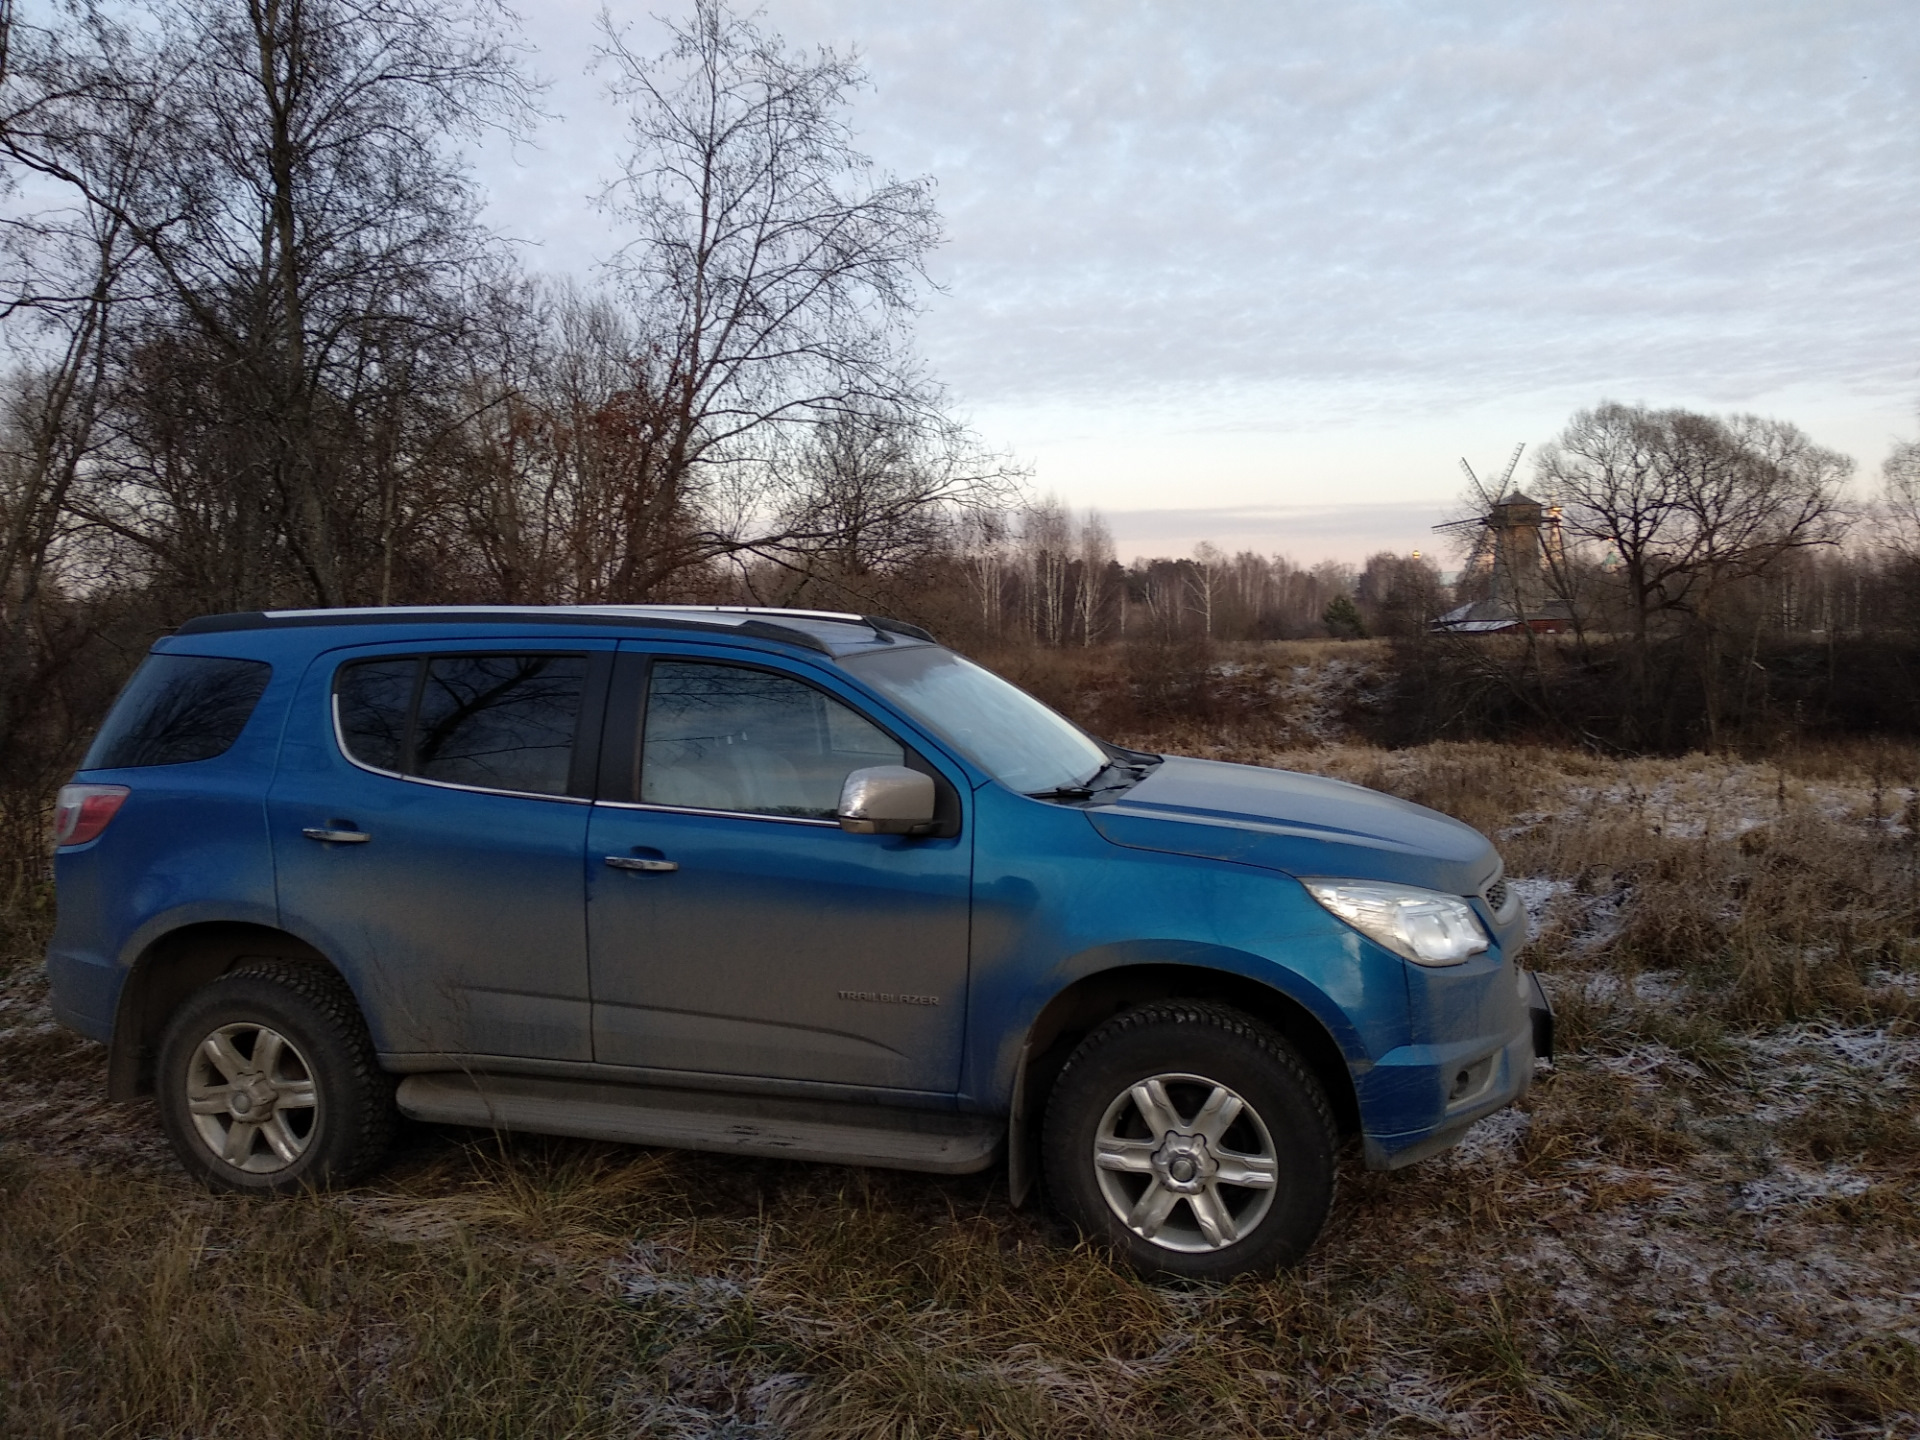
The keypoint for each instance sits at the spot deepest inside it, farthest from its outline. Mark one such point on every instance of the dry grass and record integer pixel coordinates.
(1190, 698)
(1703, 1223)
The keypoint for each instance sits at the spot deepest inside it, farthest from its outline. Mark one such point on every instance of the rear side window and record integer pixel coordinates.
(178, 708)
(494, 722)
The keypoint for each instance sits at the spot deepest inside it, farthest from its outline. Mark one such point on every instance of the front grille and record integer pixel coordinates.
(1497, 896)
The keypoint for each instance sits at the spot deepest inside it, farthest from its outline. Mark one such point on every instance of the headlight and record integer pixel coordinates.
(1424, 925)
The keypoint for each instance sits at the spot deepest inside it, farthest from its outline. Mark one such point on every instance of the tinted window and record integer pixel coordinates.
(719, 737)
(502, 722)
(178, 708)
(372, 700)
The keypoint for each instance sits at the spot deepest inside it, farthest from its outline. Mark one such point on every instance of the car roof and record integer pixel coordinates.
(827, 631)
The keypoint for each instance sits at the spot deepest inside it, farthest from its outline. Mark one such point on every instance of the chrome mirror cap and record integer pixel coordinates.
(887, 800)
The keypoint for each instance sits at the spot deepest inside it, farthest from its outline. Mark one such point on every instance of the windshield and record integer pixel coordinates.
(1001, 728)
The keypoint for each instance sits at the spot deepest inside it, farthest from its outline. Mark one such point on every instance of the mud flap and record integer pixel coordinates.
(1540, 1011)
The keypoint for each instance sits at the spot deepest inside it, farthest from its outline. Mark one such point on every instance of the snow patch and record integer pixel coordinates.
(1663, 990)
(1537, 893)
(1789, 1187)
(1651, 1064)
(1494, 1141)
(1323, 695)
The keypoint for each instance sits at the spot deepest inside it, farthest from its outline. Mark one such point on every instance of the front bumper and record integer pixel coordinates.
(1471, 1093)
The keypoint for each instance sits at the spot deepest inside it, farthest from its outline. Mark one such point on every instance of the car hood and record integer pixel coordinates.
(1300, 824)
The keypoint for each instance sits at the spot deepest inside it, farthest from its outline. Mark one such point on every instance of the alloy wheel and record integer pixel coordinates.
(252, 1097)
(1185, 1162)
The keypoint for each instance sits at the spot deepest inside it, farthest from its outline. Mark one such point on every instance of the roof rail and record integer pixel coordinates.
(483, 615)
(881, 625)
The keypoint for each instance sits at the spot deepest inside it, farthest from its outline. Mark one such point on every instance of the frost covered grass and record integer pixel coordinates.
(1704, 1222)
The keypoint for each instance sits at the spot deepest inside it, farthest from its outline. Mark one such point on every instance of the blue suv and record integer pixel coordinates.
(770, 882)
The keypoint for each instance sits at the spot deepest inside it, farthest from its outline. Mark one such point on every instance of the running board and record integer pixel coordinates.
(940, 1142)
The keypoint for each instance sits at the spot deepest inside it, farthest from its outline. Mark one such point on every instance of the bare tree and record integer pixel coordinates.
(1755, 492)
(1398, 595)
(301, 227)
(1900, 477)
(1161, 586)
(63, 278)
(1685, 503)
(1046, 554)
(1096, 566)
(1686, 508)
(1205, 576)
(772, 276)
(984, 541)
(866, 495)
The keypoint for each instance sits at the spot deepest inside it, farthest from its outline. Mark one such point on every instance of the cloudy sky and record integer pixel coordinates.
(1262, 273)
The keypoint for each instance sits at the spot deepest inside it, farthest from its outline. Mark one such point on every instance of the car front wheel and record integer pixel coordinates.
(1193, 1139)
(268, 1082)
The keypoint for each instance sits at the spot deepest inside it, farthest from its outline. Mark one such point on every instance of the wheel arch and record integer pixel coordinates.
(170, 969)
(1093, 999)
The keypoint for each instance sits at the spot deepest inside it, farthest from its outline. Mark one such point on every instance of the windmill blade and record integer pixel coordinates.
(1512, 465)
(1472, 478)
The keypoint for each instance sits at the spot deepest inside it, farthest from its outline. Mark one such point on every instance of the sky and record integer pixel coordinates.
(1262, 274)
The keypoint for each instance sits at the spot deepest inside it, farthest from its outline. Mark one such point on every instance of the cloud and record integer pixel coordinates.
(1154, 197)
(1283, 217)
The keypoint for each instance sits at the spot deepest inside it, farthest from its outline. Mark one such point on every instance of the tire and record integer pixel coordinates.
(1176, 1097)
(280, 1039)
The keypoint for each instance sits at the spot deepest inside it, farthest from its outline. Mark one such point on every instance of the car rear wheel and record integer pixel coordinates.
(1193, 1140)
(268, 1081)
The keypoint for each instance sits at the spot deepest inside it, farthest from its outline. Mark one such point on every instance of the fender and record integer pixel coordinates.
(1202, 965)
(153, 979)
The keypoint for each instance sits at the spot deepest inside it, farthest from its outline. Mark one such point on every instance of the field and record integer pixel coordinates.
(1704, 1221)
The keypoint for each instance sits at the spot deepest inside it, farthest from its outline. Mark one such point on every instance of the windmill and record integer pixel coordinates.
(1489, 500)
(1515, 537)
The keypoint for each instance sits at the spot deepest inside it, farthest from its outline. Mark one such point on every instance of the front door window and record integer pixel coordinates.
(719, 737)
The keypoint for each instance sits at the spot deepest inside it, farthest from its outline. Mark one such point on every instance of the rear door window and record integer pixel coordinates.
(501, 722)
(489, 722)
(179, 708)
(373, 700)
(724, 737)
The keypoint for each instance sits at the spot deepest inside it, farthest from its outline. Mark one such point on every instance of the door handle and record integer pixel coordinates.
(336, 837)
(634, 862)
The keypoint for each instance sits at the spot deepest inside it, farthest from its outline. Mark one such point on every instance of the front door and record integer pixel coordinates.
(734, 927)
(428, 817)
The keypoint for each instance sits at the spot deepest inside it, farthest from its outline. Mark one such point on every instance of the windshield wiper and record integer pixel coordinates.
(1123, 776)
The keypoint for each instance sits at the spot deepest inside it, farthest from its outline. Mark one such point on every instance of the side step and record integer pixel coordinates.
(841, 1134)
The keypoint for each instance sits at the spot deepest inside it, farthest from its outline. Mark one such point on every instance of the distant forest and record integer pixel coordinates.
(267, 355)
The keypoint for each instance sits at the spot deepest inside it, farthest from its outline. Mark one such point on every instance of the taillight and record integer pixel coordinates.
(82, 811)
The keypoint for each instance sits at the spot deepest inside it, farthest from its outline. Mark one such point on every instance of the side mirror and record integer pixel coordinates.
(887, 800)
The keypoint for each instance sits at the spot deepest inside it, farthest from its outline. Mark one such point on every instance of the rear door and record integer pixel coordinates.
(734, 927)
(429, 816)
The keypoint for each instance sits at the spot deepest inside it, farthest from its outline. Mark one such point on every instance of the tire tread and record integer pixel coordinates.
(371, 1120)
(378, 1121)
(1205, 1017)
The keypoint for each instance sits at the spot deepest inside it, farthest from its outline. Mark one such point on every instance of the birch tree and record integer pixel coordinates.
(771, 273)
